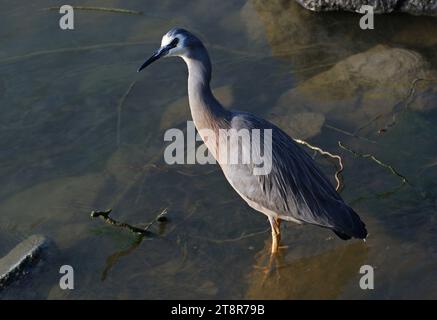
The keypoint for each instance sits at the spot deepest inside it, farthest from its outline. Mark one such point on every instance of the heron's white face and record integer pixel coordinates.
(176, 42)
(179, 50)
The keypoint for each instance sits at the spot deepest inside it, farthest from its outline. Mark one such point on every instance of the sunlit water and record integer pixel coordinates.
(68, 146)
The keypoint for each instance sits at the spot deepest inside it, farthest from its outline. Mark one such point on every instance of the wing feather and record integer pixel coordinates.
(295, 187)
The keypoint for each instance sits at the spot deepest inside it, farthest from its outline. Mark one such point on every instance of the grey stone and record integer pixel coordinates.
(17, 262)
(417, 7)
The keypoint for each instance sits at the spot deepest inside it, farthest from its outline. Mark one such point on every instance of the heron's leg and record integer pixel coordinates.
(275, 223)
(272, 259)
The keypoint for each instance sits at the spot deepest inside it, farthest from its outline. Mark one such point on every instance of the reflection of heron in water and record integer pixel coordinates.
(295, 189)
(309, 277)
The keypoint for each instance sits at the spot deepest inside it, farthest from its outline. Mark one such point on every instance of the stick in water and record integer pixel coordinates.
(141, 231)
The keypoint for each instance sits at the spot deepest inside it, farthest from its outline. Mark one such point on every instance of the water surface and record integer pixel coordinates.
(68, 146)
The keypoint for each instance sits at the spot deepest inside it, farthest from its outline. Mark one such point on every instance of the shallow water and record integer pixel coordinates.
(67, 147)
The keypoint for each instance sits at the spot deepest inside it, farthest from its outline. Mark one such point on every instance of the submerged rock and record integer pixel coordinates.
(20, 259)
(417, 7)
(364, 86)
(53, 206)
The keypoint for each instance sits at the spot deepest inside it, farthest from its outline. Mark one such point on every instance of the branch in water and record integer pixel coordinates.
(141, 231)
(340, 167)
(350, 134)
(406, 101)
(112, 10)
(373, 158)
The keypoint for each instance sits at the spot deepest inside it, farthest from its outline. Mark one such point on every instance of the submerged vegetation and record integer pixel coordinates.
(102, 9)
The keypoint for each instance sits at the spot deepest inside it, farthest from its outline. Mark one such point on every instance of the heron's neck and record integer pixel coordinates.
(206, 111)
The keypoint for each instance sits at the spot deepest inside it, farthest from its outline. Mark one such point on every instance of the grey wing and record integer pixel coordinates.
(294, 187)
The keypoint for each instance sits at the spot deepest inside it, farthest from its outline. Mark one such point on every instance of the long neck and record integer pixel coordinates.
(206, 111)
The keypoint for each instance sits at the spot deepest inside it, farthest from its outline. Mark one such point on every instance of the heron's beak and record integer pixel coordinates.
(158, 54)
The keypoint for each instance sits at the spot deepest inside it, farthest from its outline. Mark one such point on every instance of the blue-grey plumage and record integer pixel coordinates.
(294, 189)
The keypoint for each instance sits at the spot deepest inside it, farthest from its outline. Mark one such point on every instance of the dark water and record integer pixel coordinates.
(68, 146)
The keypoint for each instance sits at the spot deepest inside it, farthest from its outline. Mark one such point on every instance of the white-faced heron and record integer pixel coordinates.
(294, 189)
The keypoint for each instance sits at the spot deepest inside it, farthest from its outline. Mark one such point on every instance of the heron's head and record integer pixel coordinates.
(175, 43)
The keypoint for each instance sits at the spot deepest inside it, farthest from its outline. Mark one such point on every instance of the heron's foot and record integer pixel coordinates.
(270, 268)
(271, 271)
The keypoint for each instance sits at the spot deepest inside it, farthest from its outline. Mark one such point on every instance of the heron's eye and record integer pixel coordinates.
(174, 42)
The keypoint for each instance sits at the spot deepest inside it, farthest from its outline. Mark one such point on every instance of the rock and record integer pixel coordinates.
(179, 111)
(416, 7)
(18, 261)
(363, 86)
(55, 201)
(55, 205)
(348, 5)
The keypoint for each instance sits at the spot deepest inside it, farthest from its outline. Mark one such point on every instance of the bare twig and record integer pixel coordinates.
(139, 231)
(373, 158)
(102, 9)
(367, 124)
(405, 102)
(350, 134)
(340, 167)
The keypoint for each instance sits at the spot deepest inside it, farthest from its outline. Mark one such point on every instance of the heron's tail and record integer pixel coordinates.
(342, 235)
(355, 228)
